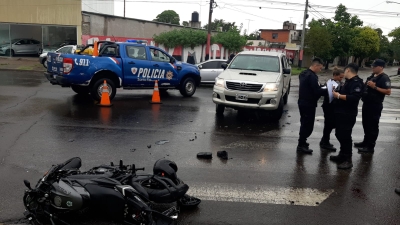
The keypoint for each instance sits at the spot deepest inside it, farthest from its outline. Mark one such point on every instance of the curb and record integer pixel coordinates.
(17, 70)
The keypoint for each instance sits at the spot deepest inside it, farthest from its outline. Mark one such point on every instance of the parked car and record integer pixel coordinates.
(21, 46)
(254, 80)
(210, 69)
(68, 49)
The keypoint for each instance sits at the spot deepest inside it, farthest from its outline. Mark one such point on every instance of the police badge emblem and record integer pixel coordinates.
(134, 70)
(169, 75)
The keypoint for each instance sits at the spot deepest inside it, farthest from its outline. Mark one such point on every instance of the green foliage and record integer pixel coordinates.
(168, 16)
(185, 37)
(365, 43)
(226, 26)
(395, 44)
(185, 23)
(255, 35)
(231, 40)
(318, 40)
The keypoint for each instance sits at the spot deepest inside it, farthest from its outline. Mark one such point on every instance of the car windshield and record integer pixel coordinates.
(256, 62)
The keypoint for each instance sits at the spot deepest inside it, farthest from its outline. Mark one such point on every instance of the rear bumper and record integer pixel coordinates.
(57, 79)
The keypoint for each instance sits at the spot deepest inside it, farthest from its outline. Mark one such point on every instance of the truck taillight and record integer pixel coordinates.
(68, 64)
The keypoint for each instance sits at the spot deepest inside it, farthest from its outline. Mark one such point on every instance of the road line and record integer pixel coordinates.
(385, 109)
(359, 119)
(259, 194)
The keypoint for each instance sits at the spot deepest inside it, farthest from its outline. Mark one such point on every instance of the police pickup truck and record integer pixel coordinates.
(124, 65)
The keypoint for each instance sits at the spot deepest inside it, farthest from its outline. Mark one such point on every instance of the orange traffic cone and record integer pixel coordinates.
(95, 49)
(156, 95)
(105, 97)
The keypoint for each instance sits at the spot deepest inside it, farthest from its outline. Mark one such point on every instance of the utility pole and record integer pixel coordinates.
(248, 26)
(303, 34)
(209, 30)
(124, 7)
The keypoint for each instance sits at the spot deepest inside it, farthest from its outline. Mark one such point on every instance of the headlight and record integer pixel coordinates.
(271, 87)
(219, 82)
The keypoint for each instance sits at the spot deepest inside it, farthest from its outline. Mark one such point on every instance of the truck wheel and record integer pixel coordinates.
(97, 89)
(277, 114)
(219, 109)
(44, 62)
(81, 90)
(188, 87)
(285, 99)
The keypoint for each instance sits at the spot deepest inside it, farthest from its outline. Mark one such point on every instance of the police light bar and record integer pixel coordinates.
(137, 41)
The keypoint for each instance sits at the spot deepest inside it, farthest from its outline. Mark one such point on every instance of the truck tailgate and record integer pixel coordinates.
(55, 63)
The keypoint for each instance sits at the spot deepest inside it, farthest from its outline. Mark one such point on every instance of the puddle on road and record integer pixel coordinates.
(162, 142)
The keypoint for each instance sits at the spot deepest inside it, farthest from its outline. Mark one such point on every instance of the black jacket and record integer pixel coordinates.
(374, 96)
(309, 89)
(352, 88)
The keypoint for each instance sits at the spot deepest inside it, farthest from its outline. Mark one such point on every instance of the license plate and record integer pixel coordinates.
(241, 97)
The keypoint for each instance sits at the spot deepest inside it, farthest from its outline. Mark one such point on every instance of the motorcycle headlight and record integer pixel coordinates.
(219, 82)
(271, 87)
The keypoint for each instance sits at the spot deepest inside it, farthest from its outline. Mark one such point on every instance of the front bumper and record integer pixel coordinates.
(256, 100)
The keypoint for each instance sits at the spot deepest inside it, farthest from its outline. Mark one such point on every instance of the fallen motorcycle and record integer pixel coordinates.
(115, 191)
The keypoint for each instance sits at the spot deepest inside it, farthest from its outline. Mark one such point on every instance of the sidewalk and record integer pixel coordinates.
(21, 63)
(363, 73)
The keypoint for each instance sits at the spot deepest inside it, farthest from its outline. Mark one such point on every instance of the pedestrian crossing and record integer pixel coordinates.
(389, 116)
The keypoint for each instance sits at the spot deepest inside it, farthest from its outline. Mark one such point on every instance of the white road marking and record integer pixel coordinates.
(392, 120)
(258, 194)
(385, 109)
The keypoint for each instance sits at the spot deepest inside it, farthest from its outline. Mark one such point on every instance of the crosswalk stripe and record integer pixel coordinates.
(385, 109)
(359, 119)
(259, 194)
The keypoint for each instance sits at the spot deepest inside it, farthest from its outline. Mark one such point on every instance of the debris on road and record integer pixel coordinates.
(133, 149)
(162, 142)
(71, 140)
(222, 154)
(204, 155)
(148, 146)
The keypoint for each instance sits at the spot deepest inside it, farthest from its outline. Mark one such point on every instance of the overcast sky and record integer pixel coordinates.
(249, 13)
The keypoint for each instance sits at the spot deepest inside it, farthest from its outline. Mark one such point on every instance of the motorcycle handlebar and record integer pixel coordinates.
(140, 169)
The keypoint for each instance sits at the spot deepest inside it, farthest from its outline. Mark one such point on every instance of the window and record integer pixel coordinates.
(159, 56)
(34, 42)
(256, 62)
(211, 65)
(23, 42)
(274, 35)
(65, 50)
(110, 50)
(136, 52)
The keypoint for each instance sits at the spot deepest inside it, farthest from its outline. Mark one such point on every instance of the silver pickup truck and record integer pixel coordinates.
(254, 80)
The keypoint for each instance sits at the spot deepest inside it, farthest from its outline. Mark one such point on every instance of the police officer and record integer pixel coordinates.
(329, 115)
(231, 56)
(377, 87)
(309, 93)
(346, 99)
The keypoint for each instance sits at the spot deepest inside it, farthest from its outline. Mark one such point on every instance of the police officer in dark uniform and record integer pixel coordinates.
(346, 99)
(377, 87)
(309, 93)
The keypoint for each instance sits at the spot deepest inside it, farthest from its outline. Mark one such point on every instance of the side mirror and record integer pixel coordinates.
(224, 65)
(286, 71)
(172, 60)
(200, 66)
(27, 184)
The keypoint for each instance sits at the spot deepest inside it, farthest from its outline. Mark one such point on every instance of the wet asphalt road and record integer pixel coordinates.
(41, 124)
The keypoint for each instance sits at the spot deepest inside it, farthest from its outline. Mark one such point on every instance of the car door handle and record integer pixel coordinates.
(156, 65)
(131, 62)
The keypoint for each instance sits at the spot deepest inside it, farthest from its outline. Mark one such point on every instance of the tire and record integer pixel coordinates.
(219, 109)
(12, 53)
(81, 90)
(96, 89)
(8, 52)
(286, 98)
(277, 114)
(44, 63)
(188, 87)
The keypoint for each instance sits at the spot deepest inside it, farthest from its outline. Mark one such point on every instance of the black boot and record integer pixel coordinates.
(345, 165)
(360, 144)
(366, 150)
(337, 159)
(304, 149)
(327, 146)
(397, 190)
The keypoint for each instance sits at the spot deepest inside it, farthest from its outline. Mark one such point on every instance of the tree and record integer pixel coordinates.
(185, 37)
(226, 26)
(255, 35)
(395, 44)
(231, 40)
(168, 16)
(185, 23)
(385, 49)
(318, 41)
(364, 43)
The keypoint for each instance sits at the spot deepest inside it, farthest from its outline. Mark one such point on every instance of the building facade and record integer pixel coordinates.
(96, 6)
(50, 22)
